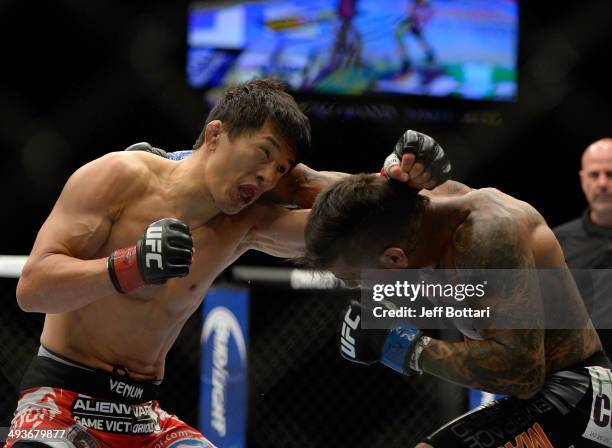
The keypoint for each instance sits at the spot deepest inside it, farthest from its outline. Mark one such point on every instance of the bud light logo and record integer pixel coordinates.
(224, 342)
(222, 325)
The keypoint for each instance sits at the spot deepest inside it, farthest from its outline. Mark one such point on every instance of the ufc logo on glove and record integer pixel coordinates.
(153, 241)
(347, 341)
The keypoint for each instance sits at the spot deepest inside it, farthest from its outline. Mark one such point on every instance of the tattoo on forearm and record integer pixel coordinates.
(490, 365)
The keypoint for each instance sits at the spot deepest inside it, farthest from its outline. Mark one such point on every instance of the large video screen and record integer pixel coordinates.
(444, 48)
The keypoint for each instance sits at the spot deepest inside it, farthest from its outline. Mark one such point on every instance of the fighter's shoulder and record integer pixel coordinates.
(497, 206)
(114, 173)
(451, 188)
(495, 232)
(116, 164)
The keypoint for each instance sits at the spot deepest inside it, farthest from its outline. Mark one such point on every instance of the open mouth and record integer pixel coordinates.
(246, 194)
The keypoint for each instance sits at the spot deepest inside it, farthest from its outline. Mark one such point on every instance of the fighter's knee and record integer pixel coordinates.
(423, 445)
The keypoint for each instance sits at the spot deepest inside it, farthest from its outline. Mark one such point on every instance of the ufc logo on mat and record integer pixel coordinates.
(346, 340)
(153, 241)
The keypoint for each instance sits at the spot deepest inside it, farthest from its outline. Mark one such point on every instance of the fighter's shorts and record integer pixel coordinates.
(573, 409)
(66, 404)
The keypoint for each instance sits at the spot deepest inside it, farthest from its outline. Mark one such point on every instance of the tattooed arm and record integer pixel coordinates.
(507, 361)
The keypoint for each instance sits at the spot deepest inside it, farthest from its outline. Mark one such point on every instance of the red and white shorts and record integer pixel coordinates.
(60, 418)
(109, 409)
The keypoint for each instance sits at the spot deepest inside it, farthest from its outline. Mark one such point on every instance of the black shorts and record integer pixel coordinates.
(573, 409)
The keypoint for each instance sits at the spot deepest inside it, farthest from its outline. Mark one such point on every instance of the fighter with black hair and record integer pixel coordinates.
(132, 245)
(557, 378)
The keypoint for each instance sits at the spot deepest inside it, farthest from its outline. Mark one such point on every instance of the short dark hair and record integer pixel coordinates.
(356, 219)
(247, 107)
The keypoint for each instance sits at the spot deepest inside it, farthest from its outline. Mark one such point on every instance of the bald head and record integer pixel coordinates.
(599, 150)
(596, 180)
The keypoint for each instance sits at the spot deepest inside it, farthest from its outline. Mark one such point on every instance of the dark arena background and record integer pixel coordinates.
(83, 78)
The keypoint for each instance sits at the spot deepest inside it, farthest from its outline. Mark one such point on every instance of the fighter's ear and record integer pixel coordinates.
(394, 258)
(212, 133)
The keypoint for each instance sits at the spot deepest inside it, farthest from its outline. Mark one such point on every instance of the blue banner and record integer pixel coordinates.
(223, 368)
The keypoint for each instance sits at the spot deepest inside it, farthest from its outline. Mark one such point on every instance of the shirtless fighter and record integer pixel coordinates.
(131, 247)
(559, 381)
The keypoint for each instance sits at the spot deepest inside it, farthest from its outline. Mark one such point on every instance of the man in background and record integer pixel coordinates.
(587, 240)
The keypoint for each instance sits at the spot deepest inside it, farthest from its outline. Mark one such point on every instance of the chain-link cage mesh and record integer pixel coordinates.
(19, 336)
(301, 392)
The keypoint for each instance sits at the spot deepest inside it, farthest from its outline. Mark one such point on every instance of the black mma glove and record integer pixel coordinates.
(426, 150)
(164, 251)
(398, 348)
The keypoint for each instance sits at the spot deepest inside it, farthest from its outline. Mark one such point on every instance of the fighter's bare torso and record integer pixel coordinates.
(136, 330)
(563, 347)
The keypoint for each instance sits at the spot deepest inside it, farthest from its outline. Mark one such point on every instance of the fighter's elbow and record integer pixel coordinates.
(527, 392)
(531, 374)
(24, 298)
(533, 387)
(26, 294)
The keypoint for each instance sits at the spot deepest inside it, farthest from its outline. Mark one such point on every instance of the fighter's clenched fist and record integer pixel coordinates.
(164, 251)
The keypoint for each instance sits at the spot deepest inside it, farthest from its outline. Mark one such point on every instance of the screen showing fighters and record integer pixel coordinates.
(444, 48)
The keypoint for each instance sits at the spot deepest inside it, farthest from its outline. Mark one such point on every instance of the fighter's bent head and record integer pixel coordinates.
(355, 220)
